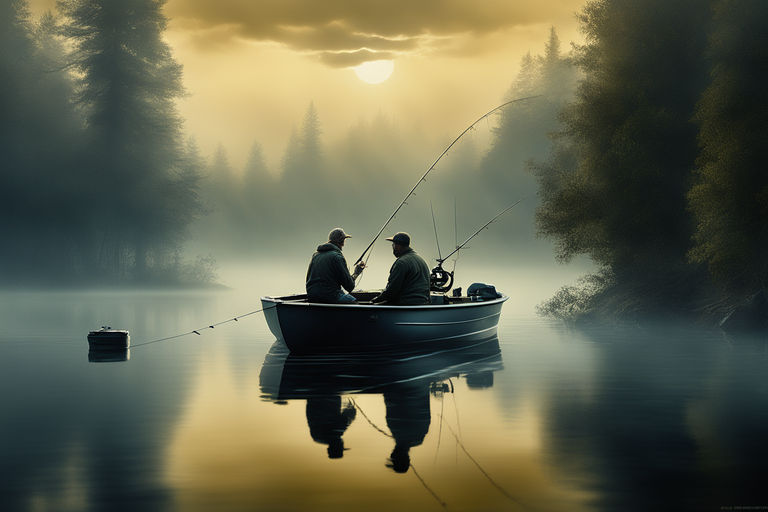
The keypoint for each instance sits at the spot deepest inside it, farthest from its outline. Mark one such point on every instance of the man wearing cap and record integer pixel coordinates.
(408, 282)
(328, 272)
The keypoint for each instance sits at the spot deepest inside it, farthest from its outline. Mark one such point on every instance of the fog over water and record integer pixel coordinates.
(561, 418)
(165, 164)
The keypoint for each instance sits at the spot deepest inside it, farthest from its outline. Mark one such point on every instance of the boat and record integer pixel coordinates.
(108, 338)
(364, 327)
(288, 376)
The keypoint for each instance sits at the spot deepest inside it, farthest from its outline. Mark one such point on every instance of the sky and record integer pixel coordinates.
(251, 68)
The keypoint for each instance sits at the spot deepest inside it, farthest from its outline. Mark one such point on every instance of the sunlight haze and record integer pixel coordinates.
(251, 68)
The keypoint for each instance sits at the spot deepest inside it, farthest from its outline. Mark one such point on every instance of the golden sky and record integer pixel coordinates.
(251, 67)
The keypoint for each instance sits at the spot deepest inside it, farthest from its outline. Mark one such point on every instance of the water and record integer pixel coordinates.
(662, 417)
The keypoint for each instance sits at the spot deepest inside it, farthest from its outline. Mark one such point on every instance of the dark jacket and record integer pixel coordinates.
(408, 282)
(327, 273)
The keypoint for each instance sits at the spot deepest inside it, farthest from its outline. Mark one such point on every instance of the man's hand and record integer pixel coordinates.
(359, 269)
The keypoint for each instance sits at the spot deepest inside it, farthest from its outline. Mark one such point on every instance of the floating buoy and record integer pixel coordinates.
(108, 338)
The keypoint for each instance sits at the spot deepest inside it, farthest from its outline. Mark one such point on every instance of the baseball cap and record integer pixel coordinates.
(401, 239)
(337, 235)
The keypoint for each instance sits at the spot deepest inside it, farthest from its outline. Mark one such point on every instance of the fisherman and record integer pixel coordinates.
(328, 272)
(408, 282)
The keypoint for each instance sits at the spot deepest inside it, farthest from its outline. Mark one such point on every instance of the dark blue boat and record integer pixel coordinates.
(308, 327)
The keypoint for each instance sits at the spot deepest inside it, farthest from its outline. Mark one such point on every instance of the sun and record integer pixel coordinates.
(375, 71)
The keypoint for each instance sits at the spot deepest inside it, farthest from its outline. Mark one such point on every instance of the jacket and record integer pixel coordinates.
(327, 273)
(408, 282)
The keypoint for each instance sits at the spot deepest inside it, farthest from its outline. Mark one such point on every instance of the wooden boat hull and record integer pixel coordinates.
(322, 328)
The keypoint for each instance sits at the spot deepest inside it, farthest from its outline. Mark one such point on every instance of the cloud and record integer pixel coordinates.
(344, 31)
(351, 59)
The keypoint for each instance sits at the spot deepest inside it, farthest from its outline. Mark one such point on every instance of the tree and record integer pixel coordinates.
(521, 135)
(730, 198)
(128, 84)
(39, 184)
(615, 185)
(305, 182)
(258, 188)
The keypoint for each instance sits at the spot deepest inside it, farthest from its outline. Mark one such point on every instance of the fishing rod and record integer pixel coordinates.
(465, 242)
(441, 280)
(434, 225)
(423, 176)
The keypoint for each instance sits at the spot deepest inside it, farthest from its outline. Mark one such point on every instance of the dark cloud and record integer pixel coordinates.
(345, 30)
(351, 59)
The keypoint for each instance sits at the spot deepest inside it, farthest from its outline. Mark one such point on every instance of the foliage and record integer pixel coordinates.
(96, 185)
(522, 132)
(730, 197)
(614, 187)
(38, 128)
(128, 81)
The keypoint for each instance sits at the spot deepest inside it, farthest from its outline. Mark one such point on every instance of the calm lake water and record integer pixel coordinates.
(660, 417)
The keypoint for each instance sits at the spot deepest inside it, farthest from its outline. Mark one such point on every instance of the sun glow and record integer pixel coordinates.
(375, 71)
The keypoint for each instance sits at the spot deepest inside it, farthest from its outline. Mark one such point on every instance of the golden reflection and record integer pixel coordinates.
(234, 450)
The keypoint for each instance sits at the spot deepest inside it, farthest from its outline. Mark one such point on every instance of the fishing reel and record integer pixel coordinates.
(440, 280)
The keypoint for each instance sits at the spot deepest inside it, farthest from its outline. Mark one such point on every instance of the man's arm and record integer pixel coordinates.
(394, 283)
(345, 279)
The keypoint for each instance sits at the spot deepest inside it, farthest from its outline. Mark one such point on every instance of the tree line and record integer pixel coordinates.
(658, 171)
(97, 183)
(642, 151)
(100, 185)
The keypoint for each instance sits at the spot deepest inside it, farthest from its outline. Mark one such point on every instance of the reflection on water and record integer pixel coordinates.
(404, 380)
(328, 421)
(109, 356)
(665, 417)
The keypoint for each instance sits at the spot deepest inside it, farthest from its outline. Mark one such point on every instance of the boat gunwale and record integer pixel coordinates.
(416, 307)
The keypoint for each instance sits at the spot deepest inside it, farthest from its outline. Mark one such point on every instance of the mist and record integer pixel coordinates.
(618, 155)
(126, 197)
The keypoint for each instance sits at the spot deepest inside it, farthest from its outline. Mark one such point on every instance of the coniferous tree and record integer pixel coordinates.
(615, 187)
(521, 135)
(730, 199)
(128, 84)
(257, 190)
(39, 186)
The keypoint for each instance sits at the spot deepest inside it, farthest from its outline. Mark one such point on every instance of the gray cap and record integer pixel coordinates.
(337, 235)
(401, 238)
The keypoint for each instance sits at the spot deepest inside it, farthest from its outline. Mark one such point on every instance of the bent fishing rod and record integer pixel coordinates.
(473, 235)
(441, 280)
(423, 176)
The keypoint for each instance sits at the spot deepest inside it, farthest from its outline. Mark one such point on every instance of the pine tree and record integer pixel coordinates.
(39, 182)
(129, 81)
(522, 134)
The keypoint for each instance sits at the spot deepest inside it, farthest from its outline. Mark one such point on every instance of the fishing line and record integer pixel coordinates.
(485, 473)
(440, 432)
(441, 502)
(197, 331)
(434, 164)
(382, 431)
(371, 423)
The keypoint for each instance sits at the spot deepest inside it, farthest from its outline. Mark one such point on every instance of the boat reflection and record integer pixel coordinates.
(109, 356)
(405, 381)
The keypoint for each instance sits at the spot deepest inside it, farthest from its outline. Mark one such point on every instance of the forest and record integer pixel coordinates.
(643, 151)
